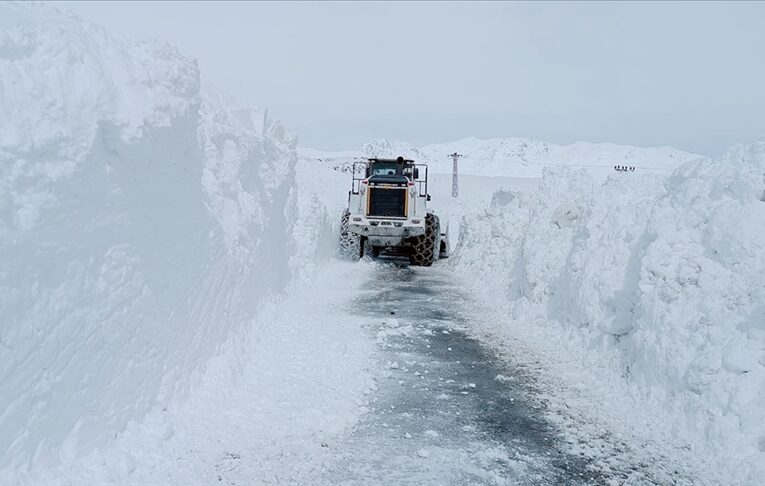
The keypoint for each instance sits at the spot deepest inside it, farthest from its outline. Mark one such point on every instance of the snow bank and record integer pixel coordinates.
(658, 280)
(142, 223)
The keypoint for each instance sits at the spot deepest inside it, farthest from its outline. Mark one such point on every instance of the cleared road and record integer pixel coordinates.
(447, 411)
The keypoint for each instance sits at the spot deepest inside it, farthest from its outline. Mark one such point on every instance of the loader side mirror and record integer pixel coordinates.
(428, 199)
(416, 174)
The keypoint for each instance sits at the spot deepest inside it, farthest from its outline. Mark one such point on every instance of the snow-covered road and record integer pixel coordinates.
(447, 410)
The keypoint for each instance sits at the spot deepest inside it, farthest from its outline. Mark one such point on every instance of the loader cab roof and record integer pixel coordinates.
(399, 160)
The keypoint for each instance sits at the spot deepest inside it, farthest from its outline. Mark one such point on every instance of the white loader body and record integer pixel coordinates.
(388, 201)
(388, 211)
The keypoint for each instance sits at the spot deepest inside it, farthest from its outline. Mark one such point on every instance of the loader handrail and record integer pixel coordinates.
(359, 174)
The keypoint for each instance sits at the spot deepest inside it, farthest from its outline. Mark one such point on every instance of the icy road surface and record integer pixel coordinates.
(446, 411)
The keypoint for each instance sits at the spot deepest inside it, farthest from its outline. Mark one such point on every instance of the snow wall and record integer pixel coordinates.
(658, 279)
(142, 223)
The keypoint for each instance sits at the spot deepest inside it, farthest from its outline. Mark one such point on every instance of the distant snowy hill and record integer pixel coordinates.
(517, 157)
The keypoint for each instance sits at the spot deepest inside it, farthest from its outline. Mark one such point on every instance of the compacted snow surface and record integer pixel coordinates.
(448, 410)
(172, 310)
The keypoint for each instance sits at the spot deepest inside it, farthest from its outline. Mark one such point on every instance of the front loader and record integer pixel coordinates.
(388, 213)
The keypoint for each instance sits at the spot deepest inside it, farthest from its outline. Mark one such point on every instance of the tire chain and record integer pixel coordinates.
(424, 246)
(349, 243)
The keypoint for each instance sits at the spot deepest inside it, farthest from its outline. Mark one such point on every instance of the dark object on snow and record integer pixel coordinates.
(624, 168)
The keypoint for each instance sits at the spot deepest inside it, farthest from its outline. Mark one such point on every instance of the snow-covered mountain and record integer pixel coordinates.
(517, 157)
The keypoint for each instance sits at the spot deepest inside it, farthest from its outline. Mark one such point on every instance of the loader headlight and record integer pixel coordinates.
(415, 221)
(357, 219)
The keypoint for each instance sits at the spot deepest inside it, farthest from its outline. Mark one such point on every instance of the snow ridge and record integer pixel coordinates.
(658, 281)
(133, 212)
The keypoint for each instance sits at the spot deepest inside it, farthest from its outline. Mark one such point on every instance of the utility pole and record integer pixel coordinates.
(455, 184)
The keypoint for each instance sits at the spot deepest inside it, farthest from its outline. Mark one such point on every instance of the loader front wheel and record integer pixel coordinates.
(425, 247)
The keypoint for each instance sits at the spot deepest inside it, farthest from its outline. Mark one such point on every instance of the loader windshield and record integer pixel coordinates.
(384, 169)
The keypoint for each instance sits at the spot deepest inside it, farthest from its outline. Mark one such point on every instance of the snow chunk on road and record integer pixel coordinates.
(385, 333)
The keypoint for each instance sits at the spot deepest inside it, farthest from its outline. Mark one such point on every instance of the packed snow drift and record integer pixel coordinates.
(143, 222)
(657, 281)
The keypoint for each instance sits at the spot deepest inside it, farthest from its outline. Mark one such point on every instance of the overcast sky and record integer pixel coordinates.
(339, 74)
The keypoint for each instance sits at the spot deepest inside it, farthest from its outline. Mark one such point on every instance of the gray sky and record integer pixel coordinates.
(339, 74)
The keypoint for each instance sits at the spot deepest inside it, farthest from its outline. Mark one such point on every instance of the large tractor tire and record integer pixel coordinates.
(425, 248)
(351, 246)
